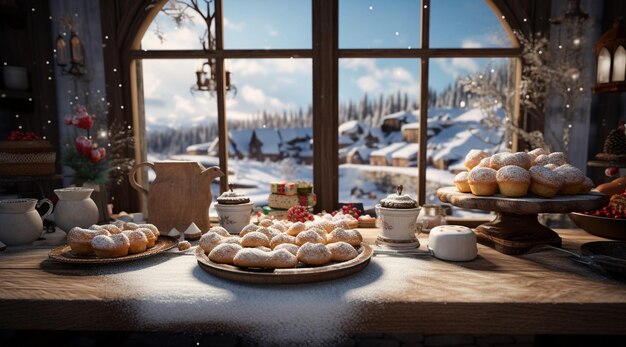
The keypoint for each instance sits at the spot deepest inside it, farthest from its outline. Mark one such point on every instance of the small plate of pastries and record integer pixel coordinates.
(112, 243)
(278, 251)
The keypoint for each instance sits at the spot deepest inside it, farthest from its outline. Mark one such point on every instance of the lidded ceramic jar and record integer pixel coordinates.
(397, 217)
(20, 223)
(75, 208)
(234, 210)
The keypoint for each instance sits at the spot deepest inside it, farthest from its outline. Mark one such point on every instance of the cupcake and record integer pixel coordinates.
(537, 152)
(544, 182)
(573, 179)
(460, 181)
(482, 181)
(474, 157)
(513, 181)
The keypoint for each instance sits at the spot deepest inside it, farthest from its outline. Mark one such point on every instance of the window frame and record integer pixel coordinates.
(325, 54)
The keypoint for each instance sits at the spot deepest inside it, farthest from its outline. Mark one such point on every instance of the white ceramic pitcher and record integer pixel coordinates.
(20, 223)
(75, 208)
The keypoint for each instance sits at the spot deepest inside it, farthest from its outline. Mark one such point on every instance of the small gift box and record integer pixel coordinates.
(283, 201)
(304, 187)
(283, 188)
(308, 199)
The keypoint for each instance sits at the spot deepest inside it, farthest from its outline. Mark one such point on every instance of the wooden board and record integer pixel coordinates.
(529, 204)
(300, 274)
(64, 253)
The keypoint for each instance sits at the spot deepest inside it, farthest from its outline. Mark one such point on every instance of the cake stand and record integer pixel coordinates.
(516, 230)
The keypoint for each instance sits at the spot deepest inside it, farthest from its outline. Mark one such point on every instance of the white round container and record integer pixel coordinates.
(397, 227)
(452, 242)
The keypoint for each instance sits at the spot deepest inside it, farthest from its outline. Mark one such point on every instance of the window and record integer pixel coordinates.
(292, 76)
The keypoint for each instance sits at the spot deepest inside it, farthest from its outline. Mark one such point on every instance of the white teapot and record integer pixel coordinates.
(20, 223)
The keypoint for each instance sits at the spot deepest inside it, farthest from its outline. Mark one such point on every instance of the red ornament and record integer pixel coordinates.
(84, 145)
(84, 121)
(611, 171)
(97, 154)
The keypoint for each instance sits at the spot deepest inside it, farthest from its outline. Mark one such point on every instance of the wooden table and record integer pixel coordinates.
(538, 293)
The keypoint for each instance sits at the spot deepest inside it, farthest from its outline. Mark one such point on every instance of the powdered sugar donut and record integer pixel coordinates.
(112, 246)
(280, 239)
(282, 258)
(587, 185)
(482, 181)
(254, 239)
(111, 228)
(544, 182)
(296, 228)
(342, 251)
(79, 239)
(224, 253)
(513, 181)
(474, 157)
(219, 230)
(573, 179)
(309, 236)
(537, 152)
(150, 236)
(293, 249)
(353, 237)
(152, 228)
(138, 242)
(209, 241)
(248, 228)
(498, 160)
(460, 181)
(266, 223)
(314, 254)
(270, 232)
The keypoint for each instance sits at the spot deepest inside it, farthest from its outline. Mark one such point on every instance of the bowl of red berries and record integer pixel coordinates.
(608, 222)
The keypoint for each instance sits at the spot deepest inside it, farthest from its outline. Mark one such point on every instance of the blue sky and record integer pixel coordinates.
(286, 83)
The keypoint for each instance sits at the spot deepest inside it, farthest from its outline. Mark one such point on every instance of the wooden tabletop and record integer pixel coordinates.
(545, 292)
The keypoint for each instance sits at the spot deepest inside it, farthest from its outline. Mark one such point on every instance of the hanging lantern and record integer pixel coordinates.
(610, 52)
(61, 48)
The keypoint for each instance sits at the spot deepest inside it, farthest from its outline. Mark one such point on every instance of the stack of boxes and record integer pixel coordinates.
(287, 194)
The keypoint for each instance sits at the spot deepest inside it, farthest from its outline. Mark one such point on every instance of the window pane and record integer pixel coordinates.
(378, 98)
(379, 23)
(466, 24)
(270, 124)
(270, 24)
(176, 27)
(460, 119)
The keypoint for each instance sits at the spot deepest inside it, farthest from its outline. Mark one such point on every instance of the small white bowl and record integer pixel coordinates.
(452, 242)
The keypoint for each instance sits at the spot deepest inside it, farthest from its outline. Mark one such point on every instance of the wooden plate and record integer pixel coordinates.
(299, 274)
(64, 253)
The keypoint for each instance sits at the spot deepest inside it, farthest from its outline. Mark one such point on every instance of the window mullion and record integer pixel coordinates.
(423, 122)
(221, 96)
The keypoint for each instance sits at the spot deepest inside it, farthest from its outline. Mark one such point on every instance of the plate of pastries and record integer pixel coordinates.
(112, 243)
(537, 173)
(277, 251)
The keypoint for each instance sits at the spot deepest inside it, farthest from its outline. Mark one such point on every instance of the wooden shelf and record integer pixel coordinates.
(606, 163)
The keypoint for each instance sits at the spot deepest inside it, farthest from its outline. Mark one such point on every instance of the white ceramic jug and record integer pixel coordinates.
(75, 208)
(20, 223)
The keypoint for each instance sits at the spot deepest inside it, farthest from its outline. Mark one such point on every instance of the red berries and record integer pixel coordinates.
(20, 136)
(611, 171)
(348, 209)
(607, 212)
(299, 214)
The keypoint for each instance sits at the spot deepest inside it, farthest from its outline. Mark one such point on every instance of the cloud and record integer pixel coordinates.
(234, 26)
(470, 43)
(271, 31)
(374, 79)
(258, 98)
(456, 67)
(264, 67)
(368, 84)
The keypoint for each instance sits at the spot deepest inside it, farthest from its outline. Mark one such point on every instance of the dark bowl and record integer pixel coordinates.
(610, 228)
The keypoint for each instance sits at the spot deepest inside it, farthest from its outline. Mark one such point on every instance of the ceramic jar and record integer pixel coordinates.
(234, 210)
(430, 216)
(397, 218)
(20, 223)
(75, 208)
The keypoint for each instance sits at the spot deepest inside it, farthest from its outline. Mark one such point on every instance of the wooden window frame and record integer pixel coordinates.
(325, 55)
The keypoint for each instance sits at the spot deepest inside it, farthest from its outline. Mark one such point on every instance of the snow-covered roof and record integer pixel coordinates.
(406, 116)
(241, 140)
(345, 140)
(388, 150)
(270, 140)
(291, 134)
(414, 125)
(408, 152)
(200, 147)
(457, 147)
(350, 127)
(363, 151)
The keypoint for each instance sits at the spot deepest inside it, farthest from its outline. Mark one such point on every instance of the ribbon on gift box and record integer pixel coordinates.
(283, 188)
(308, 199)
